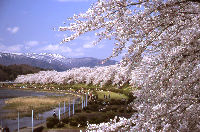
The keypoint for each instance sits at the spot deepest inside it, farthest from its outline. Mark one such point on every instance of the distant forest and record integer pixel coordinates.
(12, 71)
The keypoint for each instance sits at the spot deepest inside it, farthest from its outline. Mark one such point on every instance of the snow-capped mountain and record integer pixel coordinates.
(50, 61)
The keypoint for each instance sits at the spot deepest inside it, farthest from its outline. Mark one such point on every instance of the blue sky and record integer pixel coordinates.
(26, 26)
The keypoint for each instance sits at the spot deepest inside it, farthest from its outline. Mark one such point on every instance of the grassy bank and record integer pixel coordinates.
(125, 89)
(111, 95)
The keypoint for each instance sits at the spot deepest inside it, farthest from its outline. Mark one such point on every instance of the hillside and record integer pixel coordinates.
(10, 72)
(51, 61)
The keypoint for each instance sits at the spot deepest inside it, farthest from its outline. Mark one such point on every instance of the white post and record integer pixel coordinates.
(69, 108)
(82, 102)
(18, 122)
(59, 112)
(101, 84)
(32, 120)
(86, 100)
(73, 107)
(64, 107)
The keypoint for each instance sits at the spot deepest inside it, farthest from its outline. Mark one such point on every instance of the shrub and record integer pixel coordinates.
(114, 108)
(77, 111)
(129, 110)
(110, 114)
(86, 108)
(108, 108)
(123, 101)
(93, 107)
(88, 111)
(131, 98)
(117, 102)
(82, 120)
(114, 102)
(99, 102)
(98, 119)
(65, 120)
(93, 120)
(101, 119)
(121, 110)
(60, 125)
(73, 122)
(51, 122)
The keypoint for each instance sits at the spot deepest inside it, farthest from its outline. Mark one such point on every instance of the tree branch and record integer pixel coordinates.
(198, 1)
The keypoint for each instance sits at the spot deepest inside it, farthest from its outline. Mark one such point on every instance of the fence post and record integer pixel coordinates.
(73, 106)
(32, 120)
(82, 102)
(69, 108)
(86, 100)
(59, 112)
(18, 122)
(1, 125)
(64, 107)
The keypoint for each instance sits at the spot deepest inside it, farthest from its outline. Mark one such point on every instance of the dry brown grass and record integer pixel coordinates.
(39, 104)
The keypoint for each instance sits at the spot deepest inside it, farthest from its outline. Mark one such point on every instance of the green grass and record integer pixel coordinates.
(126, 88)
(116, 96)
(58, 86)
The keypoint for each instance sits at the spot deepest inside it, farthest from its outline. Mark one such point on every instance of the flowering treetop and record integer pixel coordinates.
(140, 26)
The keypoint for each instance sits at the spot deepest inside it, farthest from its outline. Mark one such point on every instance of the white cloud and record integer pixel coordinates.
(91, 45)
(57, 48)
(13, 30)
(32, 43)
(88, 42)
(72, 0)
(86, 37)
(77, 53)
(87, 46)
(11, 48)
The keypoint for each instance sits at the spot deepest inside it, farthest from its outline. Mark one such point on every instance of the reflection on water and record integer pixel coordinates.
(12, 93)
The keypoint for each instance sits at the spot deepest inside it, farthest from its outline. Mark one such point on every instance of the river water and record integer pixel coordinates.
(25, 121)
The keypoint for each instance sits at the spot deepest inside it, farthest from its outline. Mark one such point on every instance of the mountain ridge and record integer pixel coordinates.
(51, 61)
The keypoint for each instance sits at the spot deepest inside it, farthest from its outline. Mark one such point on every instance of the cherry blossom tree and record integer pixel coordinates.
(168, 32)
(104, 75)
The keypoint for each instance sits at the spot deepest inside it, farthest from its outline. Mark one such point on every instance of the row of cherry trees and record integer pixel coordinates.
(96, 76)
